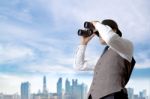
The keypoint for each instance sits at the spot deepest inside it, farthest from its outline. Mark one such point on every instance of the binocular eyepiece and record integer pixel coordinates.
(88, 31)
(89, 25)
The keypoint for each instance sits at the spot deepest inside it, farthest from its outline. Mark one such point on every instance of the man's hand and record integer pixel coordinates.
(85, 40)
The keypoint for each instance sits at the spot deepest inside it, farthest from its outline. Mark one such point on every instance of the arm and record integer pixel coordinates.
(80, 63)
(122, 46)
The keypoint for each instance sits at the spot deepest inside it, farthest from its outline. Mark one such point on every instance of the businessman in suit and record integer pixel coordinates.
(113, 69)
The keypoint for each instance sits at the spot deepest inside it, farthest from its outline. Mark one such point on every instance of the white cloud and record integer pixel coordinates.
(22, 14)
(47, 68)
(13, 31)
(10, 84)
(52, 48)
(145, 64)
(131, 16)
(11, 53)
(142, 59)
(133, 22)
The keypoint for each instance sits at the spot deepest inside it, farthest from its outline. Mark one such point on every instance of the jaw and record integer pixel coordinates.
(102, 42)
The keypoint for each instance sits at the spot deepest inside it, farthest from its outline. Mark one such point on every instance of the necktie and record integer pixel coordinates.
(105, 49)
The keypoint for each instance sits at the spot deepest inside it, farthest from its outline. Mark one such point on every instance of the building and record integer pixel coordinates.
(130, 93)
(1, 95)
(9, 96)
(68, 89)
(142, 95)
(79, 91)
(59, 88)
(44, 94)
(75, 91)
(44, 85)
(25, 90)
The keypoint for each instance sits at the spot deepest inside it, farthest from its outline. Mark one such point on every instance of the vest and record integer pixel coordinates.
(111, 74)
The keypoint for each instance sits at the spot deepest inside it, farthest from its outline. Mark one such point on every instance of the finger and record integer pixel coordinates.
(92, 36)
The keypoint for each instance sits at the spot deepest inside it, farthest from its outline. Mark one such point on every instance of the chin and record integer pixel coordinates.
(102, 42)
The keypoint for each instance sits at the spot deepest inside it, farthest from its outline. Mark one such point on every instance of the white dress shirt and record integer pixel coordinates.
(122, 46)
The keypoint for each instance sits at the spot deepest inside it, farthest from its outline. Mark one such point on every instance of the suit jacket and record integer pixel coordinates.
(111, 74)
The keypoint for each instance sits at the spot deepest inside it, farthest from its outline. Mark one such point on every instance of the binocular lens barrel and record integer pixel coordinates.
(88, 31)
(84, 33)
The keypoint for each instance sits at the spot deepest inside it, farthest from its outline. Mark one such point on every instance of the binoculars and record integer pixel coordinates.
(88, 31)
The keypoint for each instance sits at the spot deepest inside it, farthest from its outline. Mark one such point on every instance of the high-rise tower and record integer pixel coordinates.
(44, 85)
(25, 90)
(59, 88)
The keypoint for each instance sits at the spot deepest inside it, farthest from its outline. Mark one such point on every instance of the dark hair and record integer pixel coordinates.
(113, 25)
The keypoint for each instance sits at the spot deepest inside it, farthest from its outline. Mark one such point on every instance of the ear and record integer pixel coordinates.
(114, 30)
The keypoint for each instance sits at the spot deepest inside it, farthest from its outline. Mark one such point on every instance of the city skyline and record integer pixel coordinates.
(45, 87)
(72, 90)
(39, 37)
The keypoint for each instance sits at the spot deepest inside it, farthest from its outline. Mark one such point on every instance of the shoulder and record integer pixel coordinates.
(124, 48)
(128, 50)
(128, 45)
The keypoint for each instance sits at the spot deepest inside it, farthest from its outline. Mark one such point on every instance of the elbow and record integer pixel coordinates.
(78, 65)
(76, 68)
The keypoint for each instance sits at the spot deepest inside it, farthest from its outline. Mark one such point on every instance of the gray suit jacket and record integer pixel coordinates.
(111, 74)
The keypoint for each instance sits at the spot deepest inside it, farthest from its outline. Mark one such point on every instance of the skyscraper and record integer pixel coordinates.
(142, 94)
(79, 91)
(68, 89)
(59, 88)
(44, 85)
(84, 89)
(25, 90)
(44, 94)
(130, 93)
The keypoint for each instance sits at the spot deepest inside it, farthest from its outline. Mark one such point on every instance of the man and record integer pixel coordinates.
(112, 70)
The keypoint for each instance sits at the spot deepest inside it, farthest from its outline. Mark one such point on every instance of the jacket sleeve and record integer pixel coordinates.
(80, 63)
(122, 46)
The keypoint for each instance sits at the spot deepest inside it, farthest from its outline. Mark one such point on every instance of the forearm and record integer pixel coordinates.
(80, 62)
(122, 46)
(79, 58)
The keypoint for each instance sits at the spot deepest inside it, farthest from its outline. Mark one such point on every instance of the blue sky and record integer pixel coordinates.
(39, 37)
